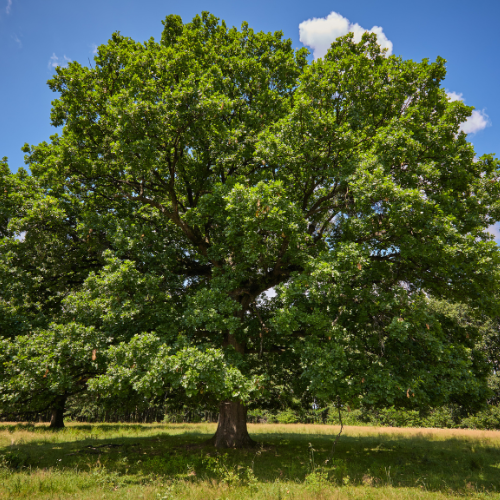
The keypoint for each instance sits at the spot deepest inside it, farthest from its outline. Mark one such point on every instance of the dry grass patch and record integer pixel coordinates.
(321, 430)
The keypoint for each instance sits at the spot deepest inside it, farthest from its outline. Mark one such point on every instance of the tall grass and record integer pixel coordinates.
(167, 461)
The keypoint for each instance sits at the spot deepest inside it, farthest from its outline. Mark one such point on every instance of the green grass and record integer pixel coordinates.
(170, 461)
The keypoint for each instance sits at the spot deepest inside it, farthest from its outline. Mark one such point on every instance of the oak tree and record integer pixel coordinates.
(291, 215)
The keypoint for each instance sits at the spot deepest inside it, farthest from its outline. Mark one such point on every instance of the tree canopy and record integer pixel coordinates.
(262, 225)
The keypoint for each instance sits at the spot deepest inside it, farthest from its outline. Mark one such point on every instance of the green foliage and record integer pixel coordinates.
(441, 417)
(315, 480)
(14, 460)
(194, 370)
(287, 417)
(485, 419)
(229, 473)
(194, 175)
(444, 417)
(257, 415)
(44, 253)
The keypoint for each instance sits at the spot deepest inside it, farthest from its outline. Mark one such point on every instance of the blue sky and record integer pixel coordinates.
(36, 35)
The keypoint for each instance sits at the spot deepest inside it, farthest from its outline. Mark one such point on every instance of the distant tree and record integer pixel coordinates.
(473, 323)
(43, 367)
(286, 220)
(44, 255)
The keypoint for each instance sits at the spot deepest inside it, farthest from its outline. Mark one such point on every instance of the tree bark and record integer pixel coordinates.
(232, 427)
(57, 413)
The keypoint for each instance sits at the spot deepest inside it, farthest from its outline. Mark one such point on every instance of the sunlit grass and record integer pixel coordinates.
(167, 461)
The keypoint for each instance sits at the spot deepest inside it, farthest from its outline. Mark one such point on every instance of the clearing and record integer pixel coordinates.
(170, 461)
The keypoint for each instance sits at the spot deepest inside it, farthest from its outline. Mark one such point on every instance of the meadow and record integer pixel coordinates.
(291, 461)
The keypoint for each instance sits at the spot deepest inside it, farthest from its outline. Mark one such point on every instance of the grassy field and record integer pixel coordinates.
(170, 461)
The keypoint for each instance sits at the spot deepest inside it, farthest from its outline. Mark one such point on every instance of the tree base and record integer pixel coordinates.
(232, 427)
(57, 414)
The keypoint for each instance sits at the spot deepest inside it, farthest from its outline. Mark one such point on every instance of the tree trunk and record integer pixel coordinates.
(57, 415)
(232, 427)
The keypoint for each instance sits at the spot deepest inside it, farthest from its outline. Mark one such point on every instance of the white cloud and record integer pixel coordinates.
(94, 48)
(319, 33)
(54, 61)
(453, 96)
(16, 39)
(9, 5)
(474, 123)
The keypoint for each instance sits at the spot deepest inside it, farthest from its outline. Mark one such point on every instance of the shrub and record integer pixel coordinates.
(287, 417)
(488, 419)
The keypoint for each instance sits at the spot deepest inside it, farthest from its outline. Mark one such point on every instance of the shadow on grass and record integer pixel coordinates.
(180, 451)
